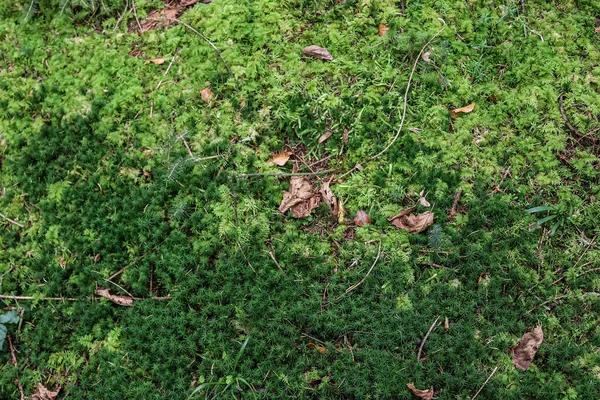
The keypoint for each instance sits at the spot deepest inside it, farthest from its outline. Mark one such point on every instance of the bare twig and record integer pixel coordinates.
(485, 383)
(275, 260)
(286, 175)
(166, 72)
(187, 146)
(12, 221)
(135, 14)
(121, 17)
(351, 288)
(412, 72)
(431, 328)
(12, 351)
(453, 212)
(11, 297)
(497, 187)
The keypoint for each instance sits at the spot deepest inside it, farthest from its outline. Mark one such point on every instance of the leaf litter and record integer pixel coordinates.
(421, 394)
(42, 393)
(462, 110)
(124, 301)
(320, 53)
(361, 218)
(524, 352)
(301, 197)
(281, 158)
(411, 222)
(165, 17)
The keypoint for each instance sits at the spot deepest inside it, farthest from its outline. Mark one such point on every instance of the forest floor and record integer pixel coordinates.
(192, 203)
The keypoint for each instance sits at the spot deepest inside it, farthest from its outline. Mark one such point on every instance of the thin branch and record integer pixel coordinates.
(135, 14)
(10, 297)
(351, 288)
(12, 221)
(167, 71)
(485, 383)
(431, 328)
(12, 352)
(275, 260)
(453, 212)
(284, 175)
(412, 72)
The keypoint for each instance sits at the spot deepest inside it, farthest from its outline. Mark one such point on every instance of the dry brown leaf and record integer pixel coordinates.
(301, 198)
(208, 96)
(281, 158)
(317, 52)
(382, 29)
(320, 349)
(41, 393)
(422, 199)
(446, 323)
(157, 61)
(426, 56)
(462, 110)
(125, 301)
(325, 136)
(329, 198)
(362, 218)
(164, 17)
(524, 352)
(345, 137)
(413, 223)
(421, 394)
(597, 29)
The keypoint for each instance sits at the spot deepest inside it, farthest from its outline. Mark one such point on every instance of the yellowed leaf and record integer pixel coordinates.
(325, 136)
(208, 96)
(361, 218)
(320, 349)
(157, 61)
(125, 301)
(412, 223)
(462, 110)
(281, 158)
(41, 393)
(382, 29)
(421, 394)
(524, 352)
(317, 52)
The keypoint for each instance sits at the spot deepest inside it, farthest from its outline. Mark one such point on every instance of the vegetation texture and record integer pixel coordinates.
(127, 175)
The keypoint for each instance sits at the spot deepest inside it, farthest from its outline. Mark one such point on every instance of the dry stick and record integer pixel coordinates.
(187, 146)
(568, 123)
(497, 188)
(121, 17)
(485, 383)
(166, 72)
(10, 297)
(12, 221)
(12, 352)
(412, 72)
(135, 14)
(203, 38)
(351, 288)
(275, 260)
(425, 338)
(453, 211)
(285, 175)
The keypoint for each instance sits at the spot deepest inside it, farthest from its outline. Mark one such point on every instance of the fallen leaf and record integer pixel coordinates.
(329, 198)
(597, 29)
(422, 200)
(341, 211)
(413, 223)
(301, 198)
(524, 352)
(421, 394)
(164, 17)
(125, 301)
(325, 136)
(281, 158)
(41, 393)
(446, 323)
(157, 61)
(317, 52)
(382, 29)
(462, 110)
(492, 98)
(207, 95)
(426, 56)
(320, 349)
(345, 137)
(362, 218)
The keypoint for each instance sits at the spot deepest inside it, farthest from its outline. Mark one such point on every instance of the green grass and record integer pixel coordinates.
(93, 166)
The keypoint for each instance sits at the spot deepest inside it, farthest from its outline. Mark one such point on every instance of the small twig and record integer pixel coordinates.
(431, 328)
(187, 146)
(10, 297)
(285, 175)
(166, 72)
(506, 173)
(347, 342)
(120, 287)
(12, 221)
(275, 260)
(453, 212)
(403, 7)
(351, 288)
(121, 17)
(203, 38)
(485, 383)
(12, 352)
(412, 72)
(588, 271)
(135, 14)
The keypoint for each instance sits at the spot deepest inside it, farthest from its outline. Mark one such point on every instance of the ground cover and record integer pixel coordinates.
(134, 157)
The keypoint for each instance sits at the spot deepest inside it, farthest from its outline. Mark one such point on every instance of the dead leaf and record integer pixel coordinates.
(41, 393)
(421, 394)
(301, 198)
(345, 137)
(325, 136)
(125, 301)
(157, 61)
(320, 349)
(597, 29)
(446, 323)
(281, 158)
(164, 17)
(422, 199)
(412, 223)
(462, 110)
(208, 96)
(524, 352)
(341, 211)
(317, 52)
(362, 218)
(382, 29)
(329, 198)
(426, 56)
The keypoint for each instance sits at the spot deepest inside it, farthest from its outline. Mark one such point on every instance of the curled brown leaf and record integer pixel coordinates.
(362, 218)
(422, 199)
(382, 29)
(157, 61)
(325, 136)
(421, 394)
(317, 52)
(329, 198)
(524, 352)
(462, 110)
(125, 301)
(320, 349)
(208, 96)
(42, 393)
(281, 158)
(412, 223)
(301, 198)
